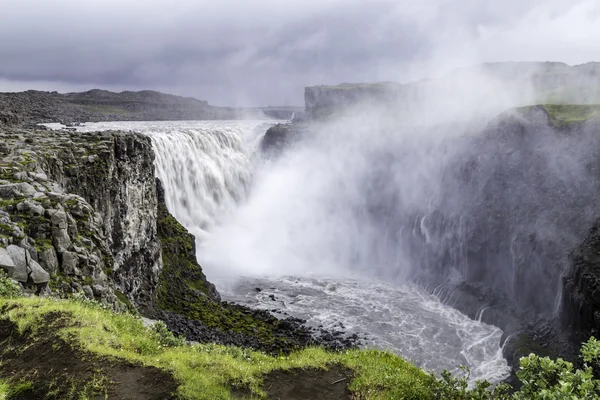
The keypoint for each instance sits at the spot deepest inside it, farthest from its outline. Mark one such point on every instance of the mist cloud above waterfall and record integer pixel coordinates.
(265, 51)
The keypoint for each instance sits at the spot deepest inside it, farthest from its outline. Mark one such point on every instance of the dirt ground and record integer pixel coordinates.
(57, 370)
(309, 384)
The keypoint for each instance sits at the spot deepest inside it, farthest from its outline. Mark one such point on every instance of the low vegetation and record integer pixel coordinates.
(209, 371)
(566, 114)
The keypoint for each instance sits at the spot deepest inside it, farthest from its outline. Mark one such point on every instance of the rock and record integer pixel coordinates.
(59, 219)
(89, 293)
(19, 258)
(27, 189)
(40, 177)
(61, 239)
(69, 262)
(38, 275)
(98, 290)
(10, 191)
(6, 262)
(48, 260)
(31, 206)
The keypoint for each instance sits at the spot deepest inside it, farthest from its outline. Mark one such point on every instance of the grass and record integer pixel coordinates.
(566, 114)
(4, 390)
(210, 371)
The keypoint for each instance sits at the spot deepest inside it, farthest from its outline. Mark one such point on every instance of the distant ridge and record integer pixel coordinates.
(32, 107)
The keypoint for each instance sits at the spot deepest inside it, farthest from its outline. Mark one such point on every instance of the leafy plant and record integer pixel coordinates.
(8, 287)
(165, 336)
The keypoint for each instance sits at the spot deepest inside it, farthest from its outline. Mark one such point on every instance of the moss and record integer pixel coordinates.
(184, 289)
(88, 281)
(525, 345)
(71, 203)
(42, 245)
(9, 203)
(181, 275)
(210, 371)
(567, 114)
(124, 300)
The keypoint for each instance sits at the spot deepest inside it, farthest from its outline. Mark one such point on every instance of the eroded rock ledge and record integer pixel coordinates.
(78, 213)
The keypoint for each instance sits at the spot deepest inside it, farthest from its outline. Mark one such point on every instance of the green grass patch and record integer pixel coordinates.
(567, 114)
(103, 109)
(210, 371)
(4, 390)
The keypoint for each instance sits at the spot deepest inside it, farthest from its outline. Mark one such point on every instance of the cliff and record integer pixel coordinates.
(96, 105)
(519, 83)
(83, 209)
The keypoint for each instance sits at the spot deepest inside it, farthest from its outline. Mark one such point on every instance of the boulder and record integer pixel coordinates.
(59, 219)
(6, 262)
(38, 275)
(32, 207)
(27, 189)
(69, 262)
(10, 191)
(48, 260)
(19, 258)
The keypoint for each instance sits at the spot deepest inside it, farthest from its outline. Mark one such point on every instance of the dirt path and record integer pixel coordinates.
(309, 384)
(58, 370)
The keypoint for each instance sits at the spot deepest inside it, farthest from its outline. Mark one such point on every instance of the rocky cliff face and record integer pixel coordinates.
(79, 213)
(581, 294)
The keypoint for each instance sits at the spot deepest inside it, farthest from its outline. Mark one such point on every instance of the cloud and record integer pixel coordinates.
(266, 51)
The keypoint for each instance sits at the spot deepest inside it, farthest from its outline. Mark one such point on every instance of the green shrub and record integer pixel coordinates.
(165, 337)
(8, 287)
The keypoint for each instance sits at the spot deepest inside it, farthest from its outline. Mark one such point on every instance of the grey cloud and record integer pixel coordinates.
(266, 51)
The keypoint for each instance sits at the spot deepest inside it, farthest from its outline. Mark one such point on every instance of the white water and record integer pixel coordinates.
(277, 226)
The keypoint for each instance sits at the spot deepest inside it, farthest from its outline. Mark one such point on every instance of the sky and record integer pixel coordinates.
(264, 52)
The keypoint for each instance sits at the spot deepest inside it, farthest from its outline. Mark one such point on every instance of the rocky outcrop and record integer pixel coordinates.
(581, 292)
(79, 212)
(280, 136)
(182, 281)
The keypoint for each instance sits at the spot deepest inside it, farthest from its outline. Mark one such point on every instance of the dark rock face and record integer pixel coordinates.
(581, 293)
(117, 178)
(284, 336)
(280, 136)
(181, 279)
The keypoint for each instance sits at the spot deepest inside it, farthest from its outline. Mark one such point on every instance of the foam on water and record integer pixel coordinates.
(214, 181)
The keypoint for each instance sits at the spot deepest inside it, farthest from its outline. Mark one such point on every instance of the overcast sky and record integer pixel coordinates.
(263, 52)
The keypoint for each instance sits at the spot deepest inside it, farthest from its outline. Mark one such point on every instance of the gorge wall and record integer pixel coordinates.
(485, 218)
(84, 208)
